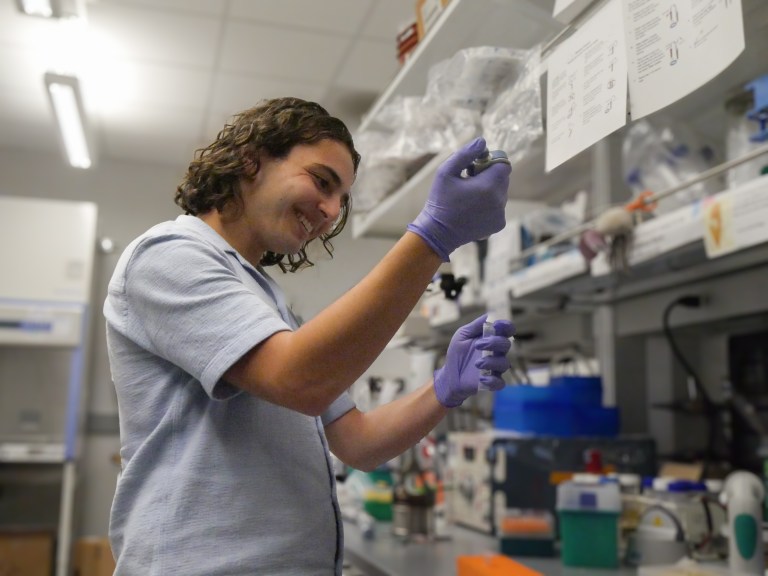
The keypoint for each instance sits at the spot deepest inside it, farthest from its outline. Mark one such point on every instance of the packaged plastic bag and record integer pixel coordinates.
(512, 121)
(473, 77)
(658, 159)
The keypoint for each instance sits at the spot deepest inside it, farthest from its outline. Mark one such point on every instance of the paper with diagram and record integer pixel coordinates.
(675, 47)
(587, 85)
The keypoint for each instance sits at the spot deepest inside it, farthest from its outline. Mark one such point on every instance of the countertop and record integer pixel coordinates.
(387, 555)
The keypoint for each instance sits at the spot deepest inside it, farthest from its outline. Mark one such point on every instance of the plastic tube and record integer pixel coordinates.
(488, 330)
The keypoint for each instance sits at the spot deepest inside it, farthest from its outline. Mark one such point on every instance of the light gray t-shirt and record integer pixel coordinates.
(214, 481)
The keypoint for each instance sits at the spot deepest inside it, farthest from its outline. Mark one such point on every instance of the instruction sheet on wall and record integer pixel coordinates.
(587, 85)
(677, 46)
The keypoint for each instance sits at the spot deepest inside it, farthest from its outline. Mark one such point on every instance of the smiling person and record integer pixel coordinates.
(228, 407)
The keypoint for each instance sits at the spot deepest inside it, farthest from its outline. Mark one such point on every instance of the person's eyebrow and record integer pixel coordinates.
(329, 172)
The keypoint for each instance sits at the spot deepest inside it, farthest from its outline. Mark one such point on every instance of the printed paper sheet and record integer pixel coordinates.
(675, 47)
(587, 85)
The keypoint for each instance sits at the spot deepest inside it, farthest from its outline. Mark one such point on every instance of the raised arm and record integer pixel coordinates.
(367, 440)
(308, 369)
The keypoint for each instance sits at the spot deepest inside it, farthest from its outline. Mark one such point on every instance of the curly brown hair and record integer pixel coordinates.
(272, 127)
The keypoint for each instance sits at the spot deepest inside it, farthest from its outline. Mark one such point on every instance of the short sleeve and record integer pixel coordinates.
(340, 406)
(189, 306)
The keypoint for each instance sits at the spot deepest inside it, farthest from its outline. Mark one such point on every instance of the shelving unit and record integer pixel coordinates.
(47, 251)
(668, 255)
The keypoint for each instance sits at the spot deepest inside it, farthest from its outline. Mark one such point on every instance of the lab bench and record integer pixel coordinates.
(388, 555)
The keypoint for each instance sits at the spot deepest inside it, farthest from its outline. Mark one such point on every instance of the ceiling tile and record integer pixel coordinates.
(281, 53)
(27, 120)
(212, 7)
(388, 18)
(22, 67)
(18, 28)
(158, 135)
(344, 16)
(141, 33)
(159, 74)
(233, 93)
(27, 105)
(149, 83)
(370, 65)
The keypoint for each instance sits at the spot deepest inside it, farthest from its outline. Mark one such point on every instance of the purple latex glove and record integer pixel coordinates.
(459, 378)
(460, 209)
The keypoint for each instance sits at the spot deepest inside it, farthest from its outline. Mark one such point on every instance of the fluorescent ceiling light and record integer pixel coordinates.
(51, 8)
(64, 92)
(36, 7)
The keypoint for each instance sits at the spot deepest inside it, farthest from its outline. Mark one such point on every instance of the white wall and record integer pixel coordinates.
(132, 197)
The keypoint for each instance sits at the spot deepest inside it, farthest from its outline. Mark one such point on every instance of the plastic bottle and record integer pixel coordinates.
(743, 495)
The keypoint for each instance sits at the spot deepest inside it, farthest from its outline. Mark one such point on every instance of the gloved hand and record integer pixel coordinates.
(460, 376)
(459, 210)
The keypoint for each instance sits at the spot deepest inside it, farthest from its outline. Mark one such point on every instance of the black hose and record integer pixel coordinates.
(710, 409)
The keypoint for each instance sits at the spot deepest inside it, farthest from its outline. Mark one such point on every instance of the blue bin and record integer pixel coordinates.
(569, 406)
(558, 420)
(582, 390)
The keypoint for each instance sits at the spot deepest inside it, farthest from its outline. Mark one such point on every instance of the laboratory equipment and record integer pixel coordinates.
(589, 523)
(658, 159)
(497, 469)
(413, 501)
(488, 330)
(659, 538)
(526, 532)
(741, 136)
(759, 110)
(743, 495)
(48, 248)
(678, 519)
(488, 158)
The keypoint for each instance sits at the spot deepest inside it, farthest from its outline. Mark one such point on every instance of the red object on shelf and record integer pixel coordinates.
(407, 40)
(594, 462)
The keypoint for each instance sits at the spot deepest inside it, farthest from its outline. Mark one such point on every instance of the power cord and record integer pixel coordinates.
(708, 405)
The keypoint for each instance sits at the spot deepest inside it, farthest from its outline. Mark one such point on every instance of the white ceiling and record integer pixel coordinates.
(160, 77)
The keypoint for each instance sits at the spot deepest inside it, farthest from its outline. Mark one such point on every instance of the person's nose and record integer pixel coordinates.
(331, 209)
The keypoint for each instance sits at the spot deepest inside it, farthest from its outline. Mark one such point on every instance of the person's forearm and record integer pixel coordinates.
(368, 440)
(342, 342)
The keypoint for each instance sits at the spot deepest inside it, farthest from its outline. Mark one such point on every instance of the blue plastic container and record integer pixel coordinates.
(568, 406)
(582, 390)
(549, 419)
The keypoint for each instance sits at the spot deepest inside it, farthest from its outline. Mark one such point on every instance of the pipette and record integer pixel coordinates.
(489, 157)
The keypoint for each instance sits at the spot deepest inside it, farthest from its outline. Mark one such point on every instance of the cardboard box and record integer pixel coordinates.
(26, 552)
(427, 13)
(93, 557)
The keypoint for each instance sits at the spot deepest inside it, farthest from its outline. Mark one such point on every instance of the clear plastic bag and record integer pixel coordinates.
(513, 121)
(420, 127)
(415, 131)
(473, 77)
(379, 173)
(545, 223)
(658, 159)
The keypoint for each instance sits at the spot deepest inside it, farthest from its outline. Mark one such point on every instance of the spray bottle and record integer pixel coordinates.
(743, 495)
